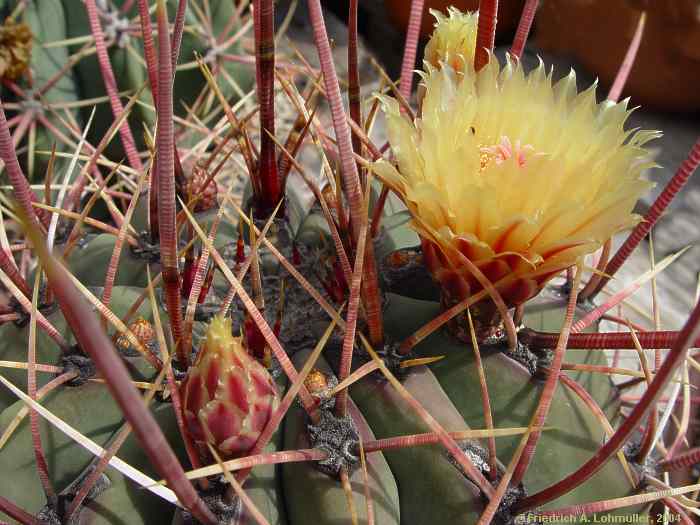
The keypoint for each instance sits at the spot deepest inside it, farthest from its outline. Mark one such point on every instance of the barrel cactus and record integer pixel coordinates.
(415, 344)
(84, 55)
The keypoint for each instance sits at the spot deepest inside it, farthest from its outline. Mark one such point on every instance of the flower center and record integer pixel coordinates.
(502, 151)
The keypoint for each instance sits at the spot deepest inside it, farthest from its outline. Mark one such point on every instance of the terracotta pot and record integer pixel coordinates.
(508, 13)
(597, 33)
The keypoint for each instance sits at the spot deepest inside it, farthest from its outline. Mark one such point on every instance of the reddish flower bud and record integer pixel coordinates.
(206, 196)
(144, 332)
(227, 396)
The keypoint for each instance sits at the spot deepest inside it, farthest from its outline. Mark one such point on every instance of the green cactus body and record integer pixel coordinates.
(514, 393)
(89, 263)
(126, 57)
(313, 497)
(91, 410)
(431, 488)
(189, 82)
(47, 21)
(129, 71)
(14, 343)
(14, 347)
(265, 489)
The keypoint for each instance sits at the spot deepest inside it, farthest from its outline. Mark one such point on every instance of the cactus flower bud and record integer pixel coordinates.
(454, 40)
(227, 396)
(206, 196)
(143, 331)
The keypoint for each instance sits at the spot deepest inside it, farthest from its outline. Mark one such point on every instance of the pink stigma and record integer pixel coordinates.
(505, 150)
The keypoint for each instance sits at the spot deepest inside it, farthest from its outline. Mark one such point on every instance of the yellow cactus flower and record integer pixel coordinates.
(454, 40)
(517, 175)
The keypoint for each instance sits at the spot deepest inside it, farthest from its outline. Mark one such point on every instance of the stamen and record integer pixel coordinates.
(503, 151)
